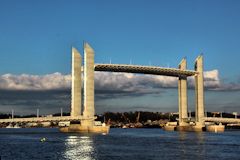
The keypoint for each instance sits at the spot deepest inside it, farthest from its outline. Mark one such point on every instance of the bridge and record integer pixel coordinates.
(153, 70)
(42, 119)
(222, 120)
(84, 111)
(77, 118)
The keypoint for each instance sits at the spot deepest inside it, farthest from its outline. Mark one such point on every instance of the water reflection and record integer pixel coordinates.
(183, 145)
(200, 137)
(189, 141)
(182, 136)
(79, 147)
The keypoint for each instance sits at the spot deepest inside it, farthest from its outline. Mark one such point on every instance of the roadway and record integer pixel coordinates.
(77, 118)
(41, 119)
(144, 70)
(222, 120)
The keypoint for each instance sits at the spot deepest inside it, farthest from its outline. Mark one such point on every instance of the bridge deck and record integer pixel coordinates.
(144, 70)
(69, 118)
(41, 119)
(222, 120)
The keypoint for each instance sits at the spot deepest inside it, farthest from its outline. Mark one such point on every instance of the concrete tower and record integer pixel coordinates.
(76, 83)
(182, 95)
(88, 82)
(199, 91)
(87, 120)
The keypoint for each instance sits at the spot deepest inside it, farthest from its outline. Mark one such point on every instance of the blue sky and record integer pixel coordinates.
(36, 37)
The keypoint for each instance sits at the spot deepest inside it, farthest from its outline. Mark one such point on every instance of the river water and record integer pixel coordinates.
(132, 144)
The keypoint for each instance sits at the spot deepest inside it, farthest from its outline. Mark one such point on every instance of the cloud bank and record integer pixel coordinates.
(25, 93)
(107, 82)
(53, 81)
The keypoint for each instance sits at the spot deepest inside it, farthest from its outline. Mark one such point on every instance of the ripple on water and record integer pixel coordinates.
(134, 144)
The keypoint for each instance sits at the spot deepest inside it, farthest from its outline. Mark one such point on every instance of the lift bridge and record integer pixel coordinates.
(87, 116)
(153, 70)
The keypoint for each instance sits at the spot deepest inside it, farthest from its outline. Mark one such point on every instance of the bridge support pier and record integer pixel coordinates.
(76, 102)
(215, 128)
(199, 93)
(88, 85)
(86, 124)
(182, 96)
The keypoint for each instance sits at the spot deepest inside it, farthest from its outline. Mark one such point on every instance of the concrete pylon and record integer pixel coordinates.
(182, 95)
(89, 110)
(76, 83)
(87, 121)
(199, 91)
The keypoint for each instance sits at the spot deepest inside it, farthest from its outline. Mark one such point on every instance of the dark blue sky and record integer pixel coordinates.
(36, 36)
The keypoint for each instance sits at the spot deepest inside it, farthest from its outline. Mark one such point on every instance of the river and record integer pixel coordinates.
(132, 144)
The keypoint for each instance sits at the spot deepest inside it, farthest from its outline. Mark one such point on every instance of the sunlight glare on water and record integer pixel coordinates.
(119, 144)
(79, 148)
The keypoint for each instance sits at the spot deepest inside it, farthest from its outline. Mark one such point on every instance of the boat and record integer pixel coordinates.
(11, 126)
(16, 126)
(124, 127)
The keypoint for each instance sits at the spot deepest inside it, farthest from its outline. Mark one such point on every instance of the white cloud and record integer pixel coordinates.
(211, 79)
(124, 82)
(35, 82)
(137, 83)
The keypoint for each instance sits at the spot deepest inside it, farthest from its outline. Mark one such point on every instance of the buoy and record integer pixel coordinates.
(43, 139)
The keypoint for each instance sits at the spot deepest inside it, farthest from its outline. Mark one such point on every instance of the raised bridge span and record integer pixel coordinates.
(153, 70)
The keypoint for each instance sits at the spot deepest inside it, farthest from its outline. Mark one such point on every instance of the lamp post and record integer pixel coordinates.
(37, 113)
(12, 113)
(235, 114)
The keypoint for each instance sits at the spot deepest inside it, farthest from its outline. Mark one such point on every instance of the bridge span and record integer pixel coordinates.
(43, 119)
(79, 118)
(153, 70)
(222, 120)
